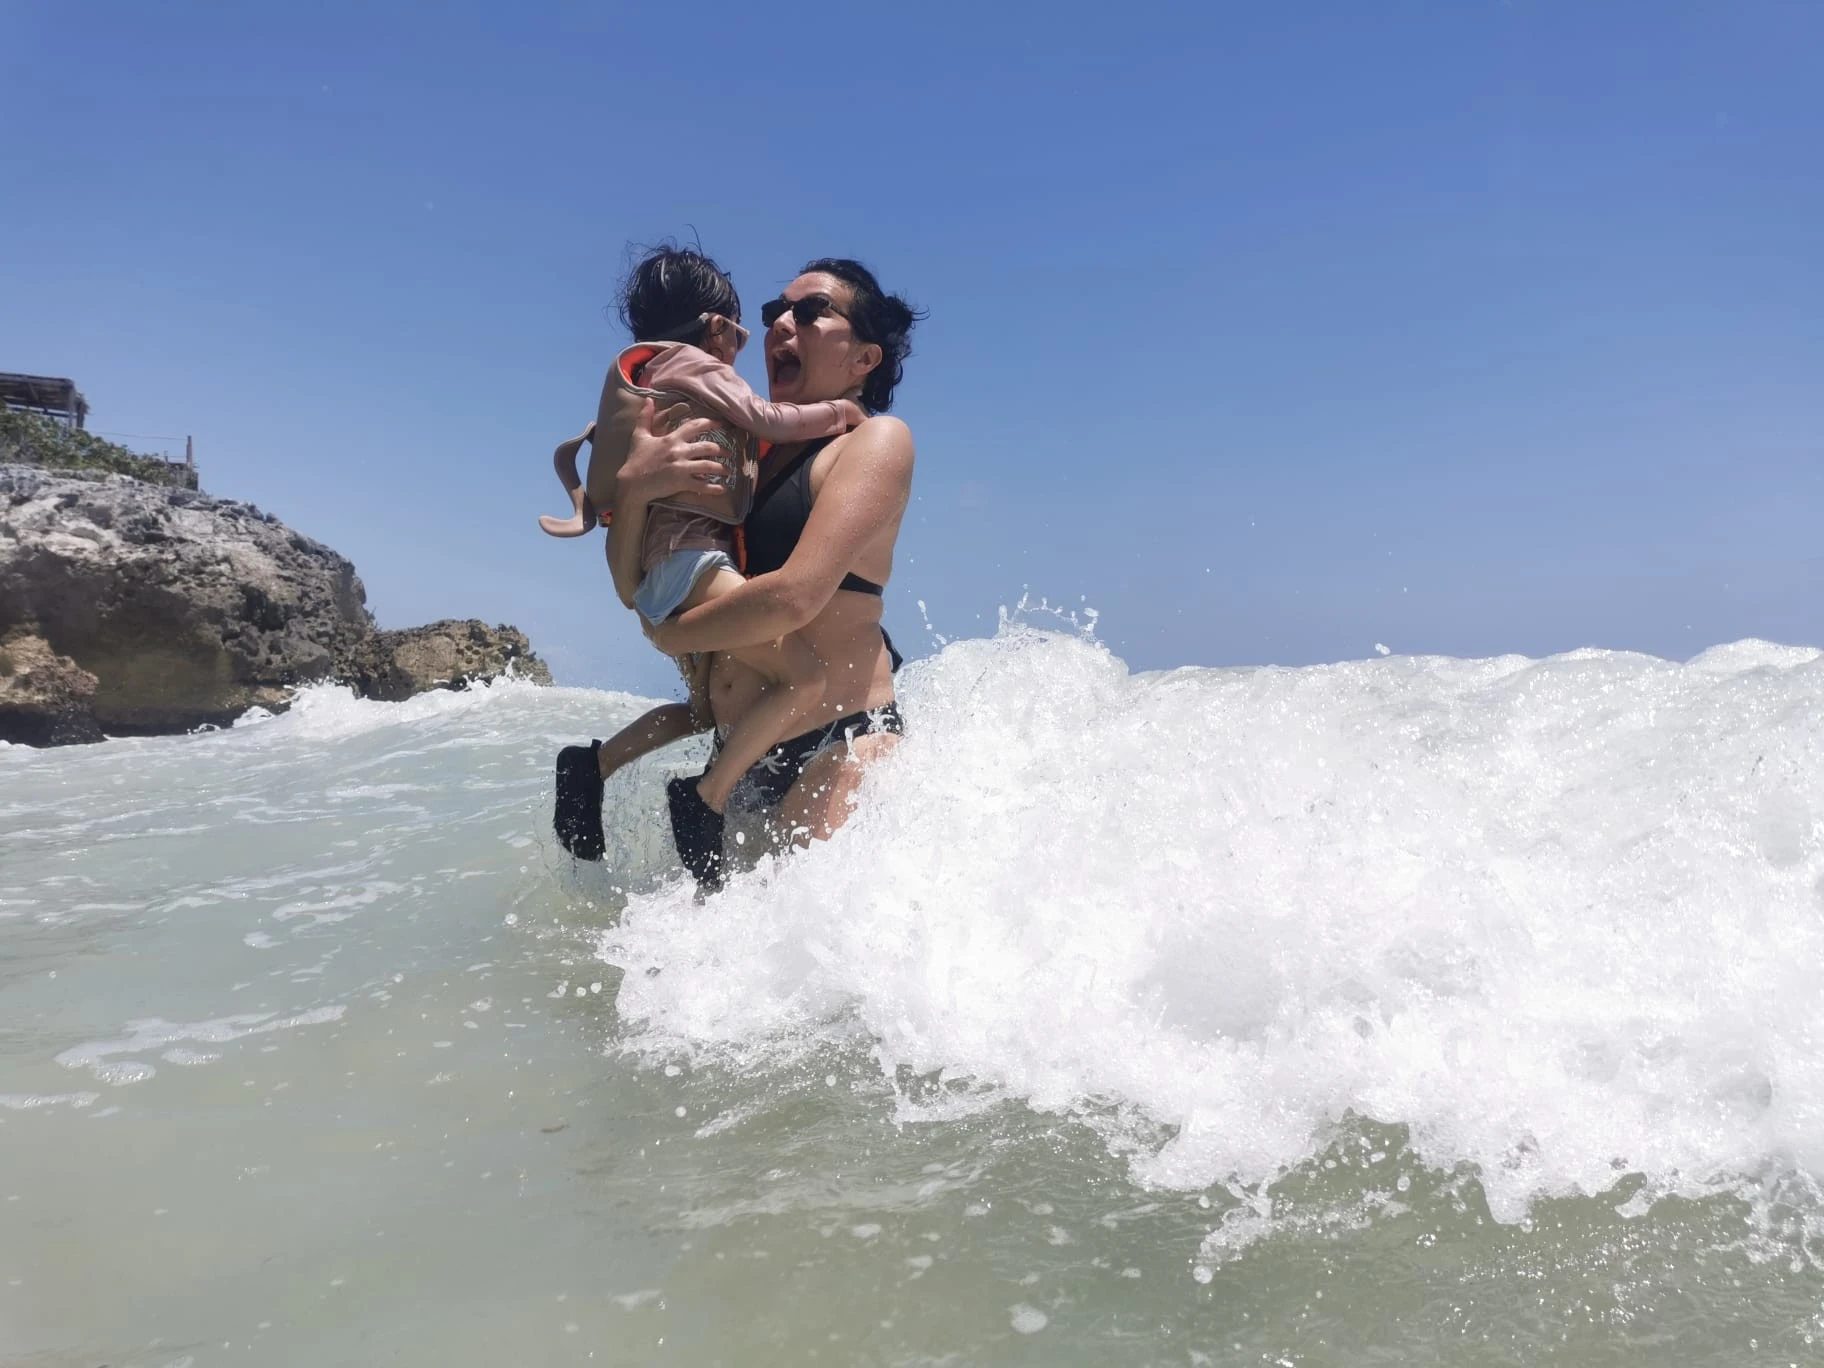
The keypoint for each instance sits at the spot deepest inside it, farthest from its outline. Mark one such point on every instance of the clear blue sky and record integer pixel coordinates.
(1273, 331)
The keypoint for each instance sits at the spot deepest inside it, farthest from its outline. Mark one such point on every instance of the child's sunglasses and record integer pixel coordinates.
(706, 325)
(805, 311)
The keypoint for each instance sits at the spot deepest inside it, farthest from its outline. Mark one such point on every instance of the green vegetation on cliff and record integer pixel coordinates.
(29, 439)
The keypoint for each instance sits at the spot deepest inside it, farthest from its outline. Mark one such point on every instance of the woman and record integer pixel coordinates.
(819, 550)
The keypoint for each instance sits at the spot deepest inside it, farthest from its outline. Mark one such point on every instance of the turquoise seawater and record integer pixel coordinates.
(1404, 1011)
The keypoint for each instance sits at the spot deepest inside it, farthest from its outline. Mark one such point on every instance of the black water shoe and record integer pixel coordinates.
(578, 820)
(696, 830)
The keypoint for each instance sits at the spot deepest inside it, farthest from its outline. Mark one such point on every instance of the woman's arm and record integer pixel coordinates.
(865, 492)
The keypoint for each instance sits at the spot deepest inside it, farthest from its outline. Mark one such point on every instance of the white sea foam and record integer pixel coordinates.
(39, 1101)
(331, 712)
(111, 1060)
(1562, 917)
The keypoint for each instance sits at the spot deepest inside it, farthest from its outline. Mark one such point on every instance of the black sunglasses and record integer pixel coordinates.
(805, 311)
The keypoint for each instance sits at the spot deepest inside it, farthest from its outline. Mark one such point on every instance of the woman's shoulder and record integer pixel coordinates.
(883, 424)
(879, 437)
(878, 450)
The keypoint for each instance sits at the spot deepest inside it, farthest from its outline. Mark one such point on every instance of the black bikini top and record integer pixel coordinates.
(778, 514)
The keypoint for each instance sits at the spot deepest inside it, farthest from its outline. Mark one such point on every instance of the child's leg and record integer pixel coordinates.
(577, 819)
(786, 706)
(563, 460)
(645, 734)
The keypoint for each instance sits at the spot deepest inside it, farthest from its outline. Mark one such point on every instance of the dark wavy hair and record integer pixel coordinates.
(878, 317)
(670, 289)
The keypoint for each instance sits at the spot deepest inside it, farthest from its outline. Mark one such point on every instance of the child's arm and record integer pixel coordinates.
(563, 460)
(700, 375)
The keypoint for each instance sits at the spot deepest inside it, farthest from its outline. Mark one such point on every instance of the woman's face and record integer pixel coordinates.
(821, 359)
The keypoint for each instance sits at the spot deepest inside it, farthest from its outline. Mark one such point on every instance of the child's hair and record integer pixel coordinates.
(665, 295)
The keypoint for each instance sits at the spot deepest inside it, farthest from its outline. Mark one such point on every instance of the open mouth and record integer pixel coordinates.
(786, 367)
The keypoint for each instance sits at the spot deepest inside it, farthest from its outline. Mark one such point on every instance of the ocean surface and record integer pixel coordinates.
(1405, 1011)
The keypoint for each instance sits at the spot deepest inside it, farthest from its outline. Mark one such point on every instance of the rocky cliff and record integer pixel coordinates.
(392, 666)
(129, 608)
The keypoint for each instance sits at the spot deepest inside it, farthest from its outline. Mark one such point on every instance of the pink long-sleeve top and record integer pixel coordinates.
(657, 370)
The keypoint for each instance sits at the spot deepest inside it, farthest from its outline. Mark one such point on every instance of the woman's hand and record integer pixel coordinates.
(665, 457)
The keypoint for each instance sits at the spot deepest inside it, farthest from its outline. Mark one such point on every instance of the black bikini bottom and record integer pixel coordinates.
(779, 768)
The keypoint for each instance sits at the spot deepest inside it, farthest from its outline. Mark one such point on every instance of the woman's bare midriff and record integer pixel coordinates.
(845, 636)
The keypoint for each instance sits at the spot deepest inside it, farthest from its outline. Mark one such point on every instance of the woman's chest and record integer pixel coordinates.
(788, 487)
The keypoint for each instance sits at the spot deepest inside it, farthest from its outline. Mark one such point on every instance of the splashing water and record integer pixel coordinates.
(1252, 1014)
(1561, 918)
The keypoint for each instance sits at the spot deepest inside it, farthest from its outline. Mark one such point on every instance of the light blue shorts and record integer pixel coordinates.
(669, 582)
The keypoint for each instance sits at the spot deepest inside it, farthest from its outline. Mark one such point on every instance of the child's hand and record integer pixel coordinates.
(853, 414)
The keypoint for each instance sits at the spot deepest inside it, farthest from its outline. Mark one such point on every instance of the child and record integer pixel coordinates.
(687, 316)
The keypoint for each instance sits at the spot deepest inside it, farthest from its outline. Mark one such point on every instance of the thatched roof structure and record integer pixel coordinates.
(47, 394)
